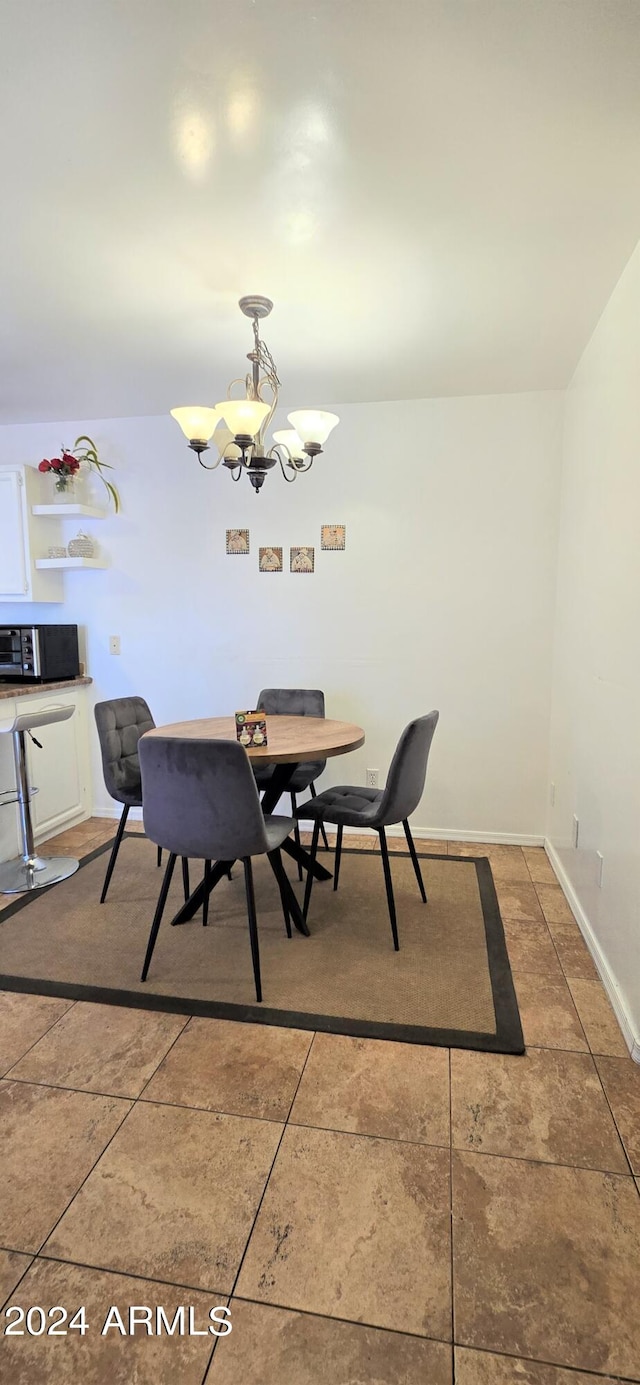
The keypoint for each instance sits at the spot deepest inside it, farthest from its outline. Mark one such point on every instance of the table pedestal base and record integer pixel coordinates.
(280, 780)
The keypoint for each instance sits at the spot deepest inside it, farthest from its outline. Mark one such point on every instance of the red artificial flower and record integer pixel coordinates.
(44, 465)
(55, 464)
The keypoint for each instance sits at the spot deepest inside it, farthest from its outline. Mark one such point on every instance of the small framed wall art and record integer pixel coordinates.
(270, 559)
(301, 559)
(333, 536)
(237, 540)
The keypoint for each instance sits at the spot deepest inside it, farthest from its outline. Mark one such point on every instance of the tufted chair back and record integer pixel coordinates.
(121, 722)
(294, 702)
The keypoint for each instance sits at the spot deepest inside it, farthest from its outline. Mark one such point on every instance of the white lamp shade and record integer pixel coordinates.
(292, 441)
(243, 415)
(196, 423)
(223, 439)
(313, 425)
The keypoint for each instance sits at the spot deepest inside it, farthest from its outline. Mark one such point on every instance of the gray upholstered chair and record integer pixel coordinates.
(121, 722)
(294, 702)
(347, 806)
(200, 800)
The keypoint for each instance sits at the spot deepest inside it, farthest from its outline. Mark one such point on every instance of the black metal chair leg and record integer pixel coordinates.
(414, 858)
(159, 860)
(275, 861)
(205, 902)
(253, 924)
(162, 899)
(185, 878)
(296, 829)
(114, 852)
(323, 832)
(389, 884)
(313, 853)
(336, 868)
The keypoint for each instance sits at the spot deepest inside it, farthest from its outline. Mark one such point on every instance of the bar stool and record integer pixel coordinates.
(30, 871)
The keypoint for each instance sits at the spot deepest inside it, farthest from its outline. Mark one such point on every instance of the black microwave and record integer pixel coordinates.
(38, 653)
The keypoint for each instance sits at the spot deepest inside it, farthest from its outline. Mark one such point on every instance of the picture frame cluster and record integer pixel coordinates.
(333, 539)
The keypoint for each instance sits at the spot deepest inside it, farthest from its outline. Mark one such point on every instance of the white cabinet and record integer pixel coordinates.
(24, 538)
(60, 770)
(13, 542)
(8, 815)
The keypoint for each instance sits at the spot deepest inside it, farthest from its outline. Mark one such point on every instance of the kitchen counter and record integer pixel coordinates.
(32, 689)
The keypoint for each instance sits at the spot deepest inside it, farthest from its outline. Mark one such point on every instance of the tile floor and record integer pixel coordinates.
(374, 1213)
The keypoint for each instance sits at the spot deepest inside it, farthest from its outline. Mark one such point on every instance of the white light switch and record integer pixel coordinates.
(114, 644)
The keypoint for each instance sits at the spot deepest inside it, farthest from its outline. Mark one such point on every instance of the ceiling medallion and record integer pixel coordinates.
(240, 424)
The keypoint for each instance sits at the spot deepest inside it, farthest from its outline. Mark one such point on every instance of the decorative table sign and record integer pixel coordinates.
(251, 728)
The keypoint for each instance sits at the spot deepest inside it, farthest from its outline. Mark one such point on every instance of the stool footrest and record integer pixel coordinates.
(12, 797)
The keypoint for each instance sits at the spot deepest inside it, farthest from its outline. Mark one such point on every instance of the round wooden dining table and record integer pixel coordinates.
(290, 742)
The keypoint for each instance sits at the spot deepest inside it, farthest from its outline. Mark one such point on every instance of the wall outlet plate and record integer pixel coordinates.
(552, 795)
(114, 644)
(599, 868)
(575, 831)
(372, 778)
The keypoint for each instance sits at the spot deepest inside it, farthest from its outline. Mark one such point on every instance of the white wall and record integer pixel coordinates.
(595, 742)
(443, 597)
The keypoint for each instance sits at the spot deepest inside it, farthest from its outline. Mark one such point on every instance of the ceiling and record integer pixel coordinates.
(439, 195)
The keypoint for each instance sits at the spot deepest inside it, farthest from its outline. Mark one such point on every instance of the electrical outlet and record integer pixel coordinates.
(552, 795)
(372, 778)
(575, 831)
(114, 644)
(599, 867)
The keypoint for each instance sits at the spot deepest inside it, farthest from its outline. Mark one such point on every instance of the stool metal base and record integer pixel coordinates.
(19, 875)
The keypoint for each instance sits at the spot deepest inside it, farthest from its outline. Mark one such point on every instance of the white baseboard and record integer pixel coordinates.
(114, 810)
(440, 834)
(434, 834)
(631, 1038)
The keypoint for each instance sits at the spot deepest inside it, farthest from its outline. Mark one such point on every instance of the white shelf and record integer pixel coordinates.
(70, 562)
(68, 511)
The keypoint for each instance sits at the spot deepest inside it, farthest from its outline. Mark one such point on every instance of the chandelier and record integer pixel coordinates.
(240, 424)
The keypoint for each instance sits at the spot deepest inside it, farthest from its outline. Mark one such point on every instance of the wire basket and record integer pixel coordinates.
(82, 546)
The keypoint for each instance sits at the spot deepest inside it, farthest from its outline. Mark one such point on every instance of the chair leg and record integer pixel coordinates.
(414, 858)
(314, 852)
(185, 878)
(253, 924)
(205, 905)
(323, 833)
(296, 830)
(159, 860)
(389, 884)
(114, 852)
(336, 868)
(162, 899)
(275, 861)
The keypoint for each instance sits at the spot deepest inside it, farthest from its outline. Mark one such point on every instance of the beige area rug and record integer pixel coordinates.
(450, 983)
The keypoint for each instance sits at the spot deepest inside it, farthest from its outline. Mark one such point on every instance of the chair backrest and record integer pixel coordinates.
(407, 771)
(295, 702)
(121, 722)
(291, 702)
(200, 798)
